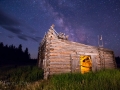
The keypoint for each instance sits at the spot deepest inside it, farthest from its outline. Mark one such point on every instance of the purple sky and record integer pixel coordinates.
(26, 21)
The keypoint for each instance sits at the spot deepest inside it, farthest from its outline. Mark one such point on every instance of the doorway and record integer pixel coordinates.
(85, 64)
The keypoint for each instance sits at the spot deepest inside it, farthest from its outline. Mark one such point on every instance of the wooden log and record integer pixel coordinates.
(59, 57)
(109, 63)
(58, 53)
(75, 48)
(59, 70)
(91, 54)
(59, 43)
(107, 67)
(80, 52)
(61, 52)
(59, 63)
(51, 73)
(59, 60)
(107, 60)
(108, 55)
(59, 66)
(65, 44)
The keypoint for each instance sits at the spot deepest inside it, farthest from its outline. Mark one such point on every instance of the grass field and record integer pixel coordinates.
(101, 80)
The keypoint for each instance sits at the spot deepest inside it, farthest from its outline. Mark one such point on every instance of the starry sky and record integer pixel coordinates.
(26, 21)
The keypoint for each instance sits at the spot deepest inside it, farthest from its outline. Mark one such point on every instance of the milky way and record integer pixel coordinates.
(26, 21)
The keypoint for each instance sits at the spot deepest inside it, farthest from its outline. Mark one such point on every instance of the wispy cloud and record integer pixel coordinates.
(13, 25)
(26, 37)
(12, 29)
(7, 19)
(22, 37)
(10, 36)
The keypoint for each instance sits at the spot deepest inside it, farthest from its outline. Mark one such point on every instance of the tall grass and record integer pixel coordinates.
(102, 80)
(21, 74)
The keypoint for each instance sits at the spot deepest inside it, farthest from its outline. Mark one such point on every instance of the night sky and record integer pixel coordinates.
(26, 21)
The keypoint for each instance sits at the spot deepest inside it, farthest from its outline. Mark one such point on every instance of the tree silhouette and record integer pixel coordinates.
(13, 55)
(27, 55)
(20, 47)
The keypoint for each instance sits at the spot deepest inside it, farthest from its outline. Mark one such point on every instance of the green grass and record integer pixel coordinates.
(101, 80)
(21, 74)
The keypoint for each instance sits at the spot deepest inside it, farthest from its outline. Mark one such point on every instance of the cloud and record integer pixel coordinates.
(13, 25)
(26, 37)
(12, 29)
(9, 23)
(22, 37)
(7, 19)
(37, 39)
(11, 36)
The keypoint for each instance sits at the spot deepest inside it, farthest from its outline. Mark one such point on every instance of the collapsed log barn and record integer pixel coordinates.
(59, 55)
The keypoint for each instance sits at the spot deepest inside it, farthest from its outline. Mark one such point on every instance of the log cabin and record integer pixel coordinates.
(57, 54)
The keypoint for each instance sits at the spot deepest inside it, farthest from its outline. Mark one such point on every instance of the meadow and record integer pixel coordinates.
(31, 78)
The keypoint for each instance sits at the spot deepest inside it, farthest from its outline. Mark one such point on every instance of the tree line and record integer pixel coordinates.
(117, 61)
(13, 55)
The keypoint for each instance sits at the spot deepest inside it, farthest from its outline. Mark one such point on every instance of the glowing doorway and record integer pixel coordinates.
(85, 63)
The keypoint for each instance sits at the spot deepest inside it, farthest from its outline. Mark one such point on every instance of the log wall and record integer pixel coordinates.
(65, 55)
(62, 56)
